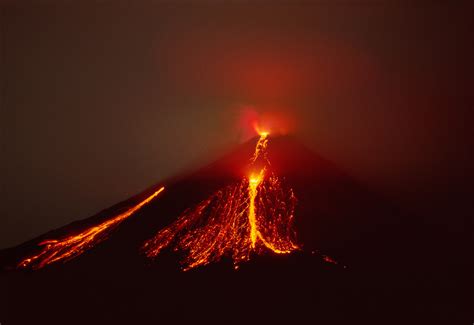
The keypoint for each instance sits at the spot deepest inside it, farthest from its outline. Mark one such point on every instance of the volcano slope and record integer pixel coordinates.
(359, 258)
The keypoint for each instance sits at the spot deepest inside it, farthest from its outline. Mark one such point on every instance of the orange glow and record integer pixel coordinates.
(264, 121)
(261, 149)
(263, 133)
(64, 249)
(250, 216)
(254, 182)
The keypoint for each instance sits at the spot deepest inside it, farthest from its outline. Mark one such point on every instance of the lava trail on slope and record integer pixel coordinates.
(69, 247)
(252, 215)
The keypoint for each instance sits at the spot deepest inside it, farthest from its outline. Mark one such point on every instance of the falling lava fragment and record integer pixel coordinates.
(251, 216)
(64, 249)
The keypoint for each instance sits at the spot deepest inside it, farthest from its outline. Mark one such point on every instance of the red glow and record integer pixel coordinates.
(329, 259)
(267, 121)
(283, 72)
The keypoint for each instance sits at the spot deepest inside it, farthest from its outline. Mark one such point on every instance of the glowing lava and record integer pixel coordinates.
(261, 148)
(250, 216)
(64, 249)
(254, 182)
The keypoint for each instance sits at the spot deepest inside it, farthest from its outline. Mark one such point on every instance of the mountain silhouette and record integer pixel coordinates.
(360, 258)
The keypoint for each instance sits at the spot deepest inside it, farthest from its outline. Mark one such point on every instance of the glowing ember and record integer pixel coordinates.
(55, 250)
(250, 216)
(329, 259)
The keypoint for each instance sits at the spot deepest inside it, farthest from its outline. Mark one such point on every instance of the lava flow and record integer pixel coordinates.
(250, 216)
(64, 249)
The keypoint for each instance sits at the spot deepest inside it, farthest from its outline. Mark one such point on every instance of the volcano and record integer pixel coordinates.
(347, 256)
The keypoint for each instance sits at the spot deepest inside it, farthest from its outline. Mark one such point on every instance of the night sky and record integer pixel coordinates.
(100, 100)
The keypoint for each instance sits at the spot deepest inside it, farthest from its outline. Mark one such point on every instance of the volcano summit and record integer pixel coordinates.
(271, 203)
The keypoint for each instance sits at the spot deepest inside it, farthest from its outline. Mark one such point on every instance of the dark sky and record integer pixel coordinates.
(100, 100)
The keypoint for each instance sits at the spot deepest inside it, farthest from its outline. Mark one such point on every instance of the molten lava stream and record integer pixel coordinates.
(64, 249)
(250, 216)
